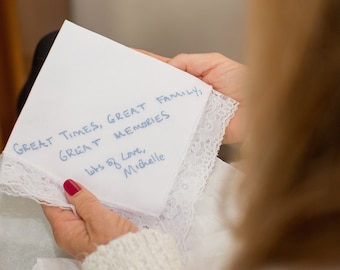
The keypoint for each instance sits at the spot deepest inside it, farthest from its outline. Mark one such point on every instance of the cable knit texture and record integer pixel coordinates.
(146, 249)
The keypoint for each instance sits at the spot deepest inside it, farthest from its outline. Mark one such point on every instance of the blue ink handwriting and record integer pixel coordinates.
(130, 162)
(131, 154)
(142, 164)
(112, 118)
(146, 123)
(166, 98)
(32, 146)
(66, 154)
(82, 131)
(94, 169)
(113, 163)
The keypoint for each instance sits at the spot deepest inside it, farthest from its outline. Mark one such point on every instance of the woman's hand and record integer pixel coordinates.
(224, 75)
(95, 225)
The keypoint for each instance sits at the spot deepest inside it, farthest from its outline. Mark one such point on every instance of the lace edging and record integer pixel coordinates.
(21, 179)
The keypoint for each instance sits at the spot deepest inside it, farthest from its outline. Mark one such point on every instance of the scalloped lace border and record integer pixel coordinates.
(20, 179)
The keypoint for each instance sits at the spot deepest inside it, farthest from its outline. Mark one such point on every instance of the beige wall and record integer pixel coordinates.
(167, 27)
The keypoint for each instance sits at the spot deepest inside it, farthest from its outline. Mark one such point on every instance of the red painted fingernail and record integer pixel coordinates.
(71, 187)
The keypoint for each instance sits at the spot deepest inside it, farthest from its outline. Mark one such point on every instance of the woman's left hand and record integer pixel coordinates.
(95, 225)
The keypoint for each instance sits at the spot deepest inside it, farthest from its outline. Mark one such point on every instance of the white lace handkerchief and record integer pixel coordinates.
(140, 134)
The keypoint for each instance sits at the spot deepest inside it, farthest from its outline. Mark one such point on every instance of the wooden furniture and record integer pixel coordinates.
(11, 67)
(22, 24)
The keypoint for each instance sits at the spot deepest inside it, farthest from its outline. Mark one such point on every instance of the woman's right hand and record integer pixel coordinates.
(224, 75)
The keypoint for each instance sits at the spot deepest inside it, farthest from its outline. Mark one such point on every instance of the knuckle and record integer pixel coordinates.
(181, 55)
(85, 204)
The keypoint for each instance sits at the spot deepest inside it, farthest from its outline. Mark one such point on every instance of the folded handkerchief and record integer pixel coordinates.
(140, 134)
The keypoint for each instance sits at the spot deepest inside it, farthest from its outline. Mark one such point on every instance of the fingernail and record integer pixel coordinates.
(71, 187)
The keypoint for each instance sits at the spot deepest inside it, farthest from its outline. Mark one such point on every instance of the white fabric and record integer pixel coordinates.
(109, 117)
(19, 178)
(56, 264)
(209, 243)
(176, 219)
(25, 235)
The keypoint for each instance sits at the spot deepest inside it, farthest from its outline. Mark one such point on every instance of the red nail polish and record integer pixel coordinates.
(71, 187)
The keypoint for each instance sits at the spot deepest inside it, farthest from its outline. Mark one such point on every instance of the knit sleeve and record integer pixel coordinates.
(146, 249)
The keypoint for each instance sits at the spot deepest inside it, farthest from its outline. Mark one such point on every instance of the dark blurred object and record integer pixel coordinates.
(230, 152)
(39, 57)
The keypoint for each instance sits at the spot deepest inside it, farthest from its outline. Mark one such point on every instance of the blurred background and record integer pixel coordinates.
(163, 27)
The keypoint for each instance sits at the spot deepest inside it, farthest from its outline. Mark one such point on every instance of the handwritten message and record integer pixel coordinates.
(130, 161)
(118, 121)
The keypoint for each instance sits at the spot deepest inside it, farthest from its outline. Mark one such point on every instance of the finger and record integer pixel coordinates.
(236, 130)
(159, 57)
(87, 205)
(65, 226)
(51, 212)
(197, 64)
(55, 214)
(101, 224)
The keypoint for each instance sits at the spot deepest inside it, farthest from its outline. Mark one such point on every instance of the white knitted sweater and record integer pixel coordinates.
(146, 249)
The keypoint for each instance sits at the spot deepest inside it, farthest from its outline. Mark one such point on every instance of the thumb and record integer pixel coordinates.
(86, 204)
(102, 225)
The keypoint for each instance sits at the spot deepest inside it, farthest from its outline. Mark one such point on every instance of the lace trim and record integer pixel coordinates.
(20, 179)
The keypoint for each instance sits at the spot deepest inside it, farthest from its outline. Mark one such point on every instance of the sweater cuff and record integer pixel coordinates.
(145, 249)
